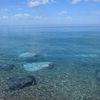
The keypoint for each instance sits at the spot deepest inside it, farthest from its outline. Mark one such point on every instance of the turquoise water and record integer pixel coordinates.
(74, 50)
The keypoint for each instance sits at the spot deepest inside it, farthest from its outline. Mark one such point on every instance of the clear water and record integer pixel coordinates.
(75, 50)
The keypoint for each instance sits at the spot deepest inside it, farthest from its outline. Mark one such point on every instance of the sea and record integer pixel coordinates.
(74, 54)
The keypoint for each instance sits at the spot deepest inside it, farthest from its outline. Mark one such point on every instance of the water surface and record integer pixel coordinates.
(75, 50)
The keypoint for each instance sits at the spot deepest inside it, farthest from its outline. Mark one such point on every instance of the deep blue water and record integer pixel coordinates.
(74, 49)
(58, 43)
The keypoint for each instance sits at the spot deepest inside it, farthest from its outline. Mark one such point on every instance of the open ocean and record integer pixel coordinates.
(74, 52)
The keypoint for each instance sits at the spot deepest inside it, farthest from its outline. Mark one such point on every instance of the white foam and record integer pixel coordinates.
(36, 66)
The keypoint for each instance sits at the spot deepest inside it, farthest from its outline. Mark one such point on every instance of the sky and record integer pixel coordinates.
(49, 12)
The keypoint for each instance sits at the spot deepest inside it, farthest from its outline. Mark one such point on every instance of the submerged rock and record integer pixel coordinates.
(21, 82)
(98, 75)
(28, 55)
(37, 66)
(6, 67)
(51, 66)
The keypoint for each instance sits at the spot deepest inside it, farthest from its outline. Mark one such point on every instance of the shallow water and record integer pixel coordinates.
(75, 52)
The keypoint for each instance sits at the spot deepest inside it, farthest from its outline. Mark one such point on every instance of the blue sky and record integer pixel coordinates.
(50, 12)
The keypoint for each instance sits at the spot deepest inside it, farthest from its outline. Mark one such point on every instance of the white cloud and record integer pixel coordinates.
(64, 15)
(75, 1)
(2, 10)
(3, 17)
(24, 19)
(97, 13)
(16, 16)
(34, 3)
(22, 15)
(94, 0)
(53, 1)
(78, 1)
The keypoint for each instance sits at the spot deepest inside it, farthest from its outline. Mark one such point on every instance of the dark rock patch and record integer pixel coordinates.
(89, 98)
(21, 82)
(6, 67)
(98, 75)
(51, 66)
